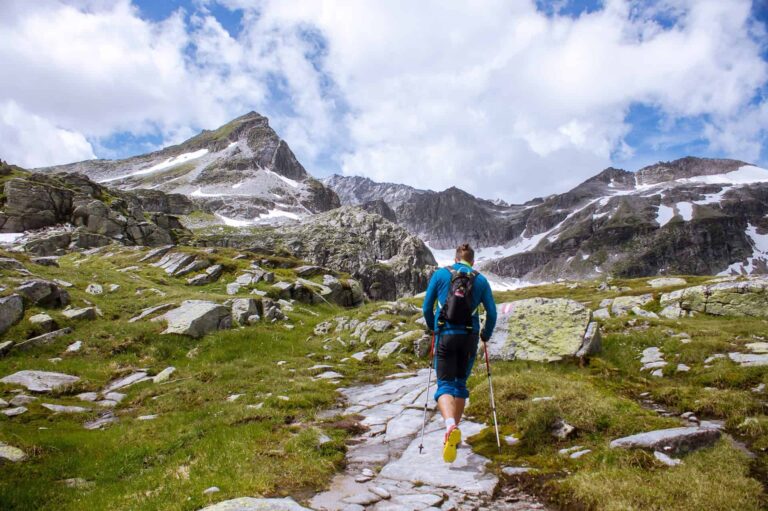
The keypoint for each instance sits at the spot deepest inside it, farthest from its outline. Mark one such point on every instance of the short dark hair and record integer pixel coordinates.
(465, 253)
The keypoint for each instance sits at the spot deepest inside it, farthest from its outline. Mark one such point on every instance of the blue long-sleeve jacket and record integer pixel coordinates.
(437, 291)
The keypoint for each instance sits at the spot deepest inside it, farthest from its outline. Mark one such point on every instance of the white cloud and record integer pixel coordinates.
(35, 141)
(493, 97)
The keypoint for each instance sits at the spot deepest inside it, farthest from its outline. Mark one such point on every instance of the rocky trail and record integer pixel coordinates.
(385, 470)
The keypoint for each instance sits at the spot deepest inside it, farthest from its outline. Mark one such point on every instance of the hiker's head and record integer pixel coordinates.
(465, 253)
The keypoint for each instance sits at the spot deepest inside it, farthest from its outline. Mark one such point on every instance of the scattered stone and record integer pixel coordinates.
(759, 389)
(255, 504)
(562, 430)
(359, 356)
(511, 440)
(212, 274)
(155, 253)
(670, 440)
(22, 399)
(173, 263)
(74, 347)
(164, 375)
(515, 471)
(682, 368)
(637, 311)
(749, 359)
(8, 263)
(40, 381)
(88, 396)
(579, 454)
(65, 409)
(43, 322)
(668, 461)
(149, 311)
(212, 489)
(13, 412)
(102, 421)
(55, 360)
(10, 453)
(540, 399)
(113, 288)
(127, 381)
(234, 397)
(381, 492)
(243, 309)
(78, 483)
(667, 282)
(88, 313)
(713, 358)
(41, 340)
(388, 349)
(147, 417)
(329, 375)
(601, 314)
(196, 318)
(11, 312)
(114, 396)
(233, 288)
(624, 304)
(94, 289)
(3, 403)
(570, 450)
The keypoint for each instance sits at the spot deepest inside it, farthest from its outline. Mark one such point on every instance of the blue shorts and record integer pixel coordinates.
(454, 358)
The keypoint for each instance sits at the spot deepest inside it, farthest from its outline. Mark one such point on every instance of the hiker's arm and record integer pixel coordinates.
(490, 313)
(428, 308)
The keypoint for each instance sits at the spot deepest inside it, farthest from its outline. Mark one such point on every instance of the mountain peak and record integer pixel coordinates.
(687, 167)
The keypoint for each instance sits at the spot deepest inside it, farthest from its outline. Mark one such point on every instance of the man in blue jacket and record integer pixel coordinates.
(456, 344)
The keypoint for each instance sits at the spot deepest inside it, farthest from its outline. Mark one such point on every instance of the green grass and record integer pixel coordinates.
(199, 438)
(602, 401)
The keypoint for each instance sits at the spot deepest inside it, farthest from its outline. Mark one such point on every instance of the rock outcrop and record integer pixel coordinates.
(11, 312)
(387, 260)
(40, 381)
(747, 298)
(543, 329)
(81, 214)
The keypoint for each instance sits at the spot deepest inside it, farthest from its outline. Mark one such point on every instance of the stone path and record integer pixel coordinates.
(385, 471)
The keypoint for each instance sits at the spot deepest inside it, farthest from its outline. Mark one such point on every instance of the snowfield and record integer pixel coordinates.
(170, 162)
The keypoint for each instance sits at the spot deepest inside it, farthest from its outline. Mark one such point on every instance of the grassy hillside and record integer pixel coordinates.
(610, 397)
(266, 442)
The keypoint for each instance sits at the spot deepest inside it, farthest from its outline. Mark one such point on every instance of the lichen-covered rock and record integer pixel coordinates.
(624, 304)
(667, 282)
(747, 298)
(196, 318)
(211, 274)
(543, 329)
(43, 322)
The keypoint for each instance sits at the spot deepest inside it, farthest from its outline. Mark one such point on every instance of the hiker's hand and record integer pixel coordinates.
(484, 338)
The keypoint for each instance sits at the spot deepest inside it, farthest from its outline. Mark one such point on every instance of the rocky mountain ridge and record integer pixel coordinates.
(243, 171)
(692, 215)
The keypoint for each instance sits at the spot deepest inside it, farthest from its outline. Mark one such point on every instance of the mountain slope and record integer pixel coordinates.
(242, 171)
(692, 215)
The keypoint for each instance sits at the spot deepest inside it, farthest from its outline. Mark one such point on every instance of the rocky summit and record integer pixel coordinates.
(243, 171)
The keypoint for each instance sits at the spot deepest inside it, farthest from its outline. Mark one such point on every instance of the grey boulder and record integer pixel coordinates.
(40, 381)
(254, 504)
(11, 312)
(673, 440)
(196, 318)
(43, 293)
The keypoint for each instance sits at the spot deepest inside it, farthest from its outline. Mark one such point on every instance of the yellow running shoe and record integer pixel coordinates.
(452, 440)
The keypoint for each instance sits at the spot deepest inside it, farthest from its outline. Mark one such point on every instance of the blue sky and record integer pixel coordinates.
(425, 93)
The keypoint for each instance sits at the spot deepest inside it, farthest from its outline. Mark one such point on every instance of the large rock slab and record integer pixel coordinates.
(624, 304)
(244, 308)
(542, 329)
(673, 440)
(196, 318)
(666, 282)
(254, 504)
(11, 312)
(40, 381)
(748, 298)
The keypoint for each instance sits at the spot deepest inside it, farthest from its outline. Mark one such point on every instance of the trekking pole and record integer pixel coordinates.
(493, 401)
(429, 384)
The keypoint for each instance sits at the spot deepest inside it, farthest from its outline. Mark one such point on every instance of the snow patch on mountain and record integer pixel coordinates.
(291, 182)
(664, 215)
(758, 261)
(743, 176)
(170, 162)
(685, 209)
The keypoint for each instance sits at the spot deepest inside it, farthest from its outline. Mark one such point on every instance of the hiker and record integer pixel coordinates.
(458, 290)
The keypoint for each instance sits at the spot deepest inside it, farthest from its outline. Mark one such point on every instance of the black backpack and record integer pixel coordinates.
(458, 307)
